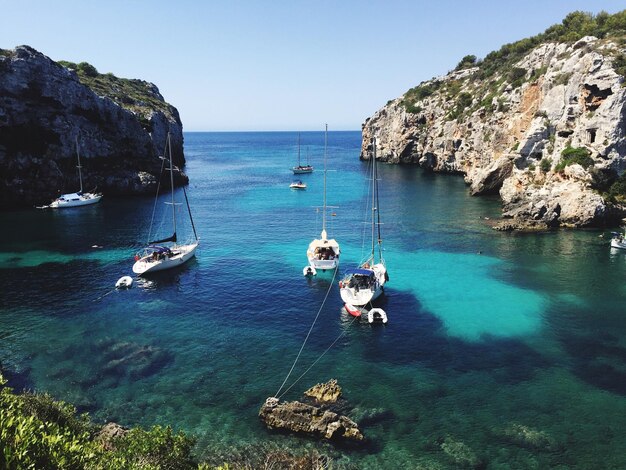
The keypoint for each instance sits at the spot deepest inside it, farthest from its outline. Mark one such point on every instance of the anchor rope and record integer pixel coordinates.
(318, 359)
(307, 336)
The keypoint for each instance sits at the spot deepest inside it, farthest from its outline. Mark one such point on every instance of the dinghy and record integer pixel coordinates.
(124, 282)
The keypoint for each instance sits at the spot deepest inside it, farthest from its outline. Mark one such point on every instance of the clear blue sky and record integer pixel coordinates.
(277, 65)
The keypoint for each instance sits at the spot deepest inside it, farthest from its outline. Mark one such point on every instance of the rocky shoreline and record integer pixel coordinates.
(514, 134)
(321, 417)
(47, 107)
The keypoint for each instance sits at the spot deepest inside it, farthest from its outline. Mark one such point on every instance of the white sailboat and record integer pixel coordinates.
(362, 285)
(166, 253)
(323, 253)
(300, 169)
(79, 198)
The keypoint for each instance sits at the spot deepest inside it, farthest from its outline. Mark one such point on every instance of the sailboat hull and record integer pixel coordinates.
(618, 243)
(324, 264)
(75, 200)
(359, 296)
(300, 171)
(182, 254)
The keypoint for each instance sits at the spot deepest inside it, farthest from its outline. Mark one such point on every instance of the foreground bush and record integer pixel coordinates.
(37, 432)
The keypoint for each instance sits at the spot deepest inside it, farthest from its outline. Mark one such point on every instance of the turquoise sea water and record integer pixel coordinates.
(508, 349)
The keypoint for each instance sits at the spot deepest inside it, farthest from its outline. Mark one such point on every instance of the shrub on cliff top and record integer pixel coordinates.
(87, 69)
(573, 27)
(466, 62)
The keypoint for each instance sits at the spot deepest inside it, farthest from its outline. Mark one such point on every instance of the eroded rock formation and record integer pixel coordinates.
(507, 135)
(315, 418)
(45, 109)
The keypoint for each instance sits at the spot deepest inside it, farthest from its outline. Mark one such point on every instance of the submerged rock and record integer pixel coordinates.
(527, 437)
(308, 419)
(460, 454)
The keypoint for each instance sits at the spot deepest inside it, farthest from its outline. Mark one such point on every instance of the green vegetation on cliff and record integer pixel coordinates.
(499, 65)
(574, 155)
(138, 96)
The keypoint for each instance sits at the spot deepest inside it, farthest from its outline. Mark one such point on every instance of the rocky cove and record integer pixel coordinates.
(512, 128)
(47, 108)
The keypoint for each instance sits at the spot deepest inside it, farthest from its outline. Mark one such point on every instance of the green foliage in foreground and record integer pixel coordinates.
(39, 432)
(572, 155)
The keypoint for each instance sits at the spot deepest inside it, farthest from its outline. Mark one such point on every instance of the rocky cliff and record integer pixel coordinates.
(47, 108)
(541, 121)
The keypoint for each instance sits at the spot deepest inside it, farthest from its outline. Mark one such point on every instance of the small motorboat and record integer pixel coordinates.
(124, 282)
(309, 271)
(297, 185)
(618, 240)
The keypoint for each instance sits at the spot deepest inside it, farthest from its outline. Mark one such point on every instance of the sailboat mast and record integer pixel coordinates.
(380, 240)
(373, 194)
(80, 173)
(299, 149)
(169, 147)
(324, 210)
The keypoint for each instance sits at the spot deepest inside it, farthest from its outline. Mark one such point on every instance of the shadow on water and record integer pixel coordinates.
(599, 360)
(421, 338)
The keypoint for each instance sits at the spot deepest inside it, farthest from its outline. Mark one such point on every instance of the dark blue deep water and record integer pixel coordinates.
(502, 350)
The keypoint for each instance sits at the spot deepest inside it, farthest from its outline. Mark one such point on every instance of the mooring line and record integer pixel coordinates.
(308, 334)
(317, 360)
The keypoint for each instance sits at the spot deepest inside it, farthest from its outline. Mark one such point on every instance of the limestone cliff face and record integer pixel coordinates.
(45, 109)
(506, 133)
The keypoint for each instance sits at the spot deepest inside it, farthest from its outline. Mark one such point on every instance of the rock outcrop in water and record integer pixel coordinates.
(512, 123)
(315, 419)
(45, 107)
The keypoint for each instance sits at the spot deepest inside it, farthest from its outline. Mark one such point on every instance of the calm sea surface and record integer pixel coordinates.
(508, 349)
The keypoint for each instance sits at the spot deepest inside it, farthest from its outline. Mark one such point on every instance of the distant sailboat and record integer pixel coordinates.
(365, 283)
(79, 198)
(167, 253)
(323, 253)
(301, 168)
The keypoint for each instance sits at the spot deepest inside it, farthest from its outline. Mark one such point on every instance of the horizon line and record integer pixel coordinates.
(268, 131)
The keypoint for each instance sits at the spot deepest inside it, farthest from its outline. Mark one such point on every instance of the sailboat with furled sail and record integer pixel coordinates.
(362, 285)
(300, 169)
(323, 253)
(166, 253)
(78, 198)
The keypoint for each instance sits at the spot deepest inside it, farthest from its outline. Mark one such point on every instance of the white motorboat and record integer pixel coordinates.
(323, 253)
(619, 240)
(157, 256)
(364, 284)
(300, 169)
(297, 185)
(78, 198)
